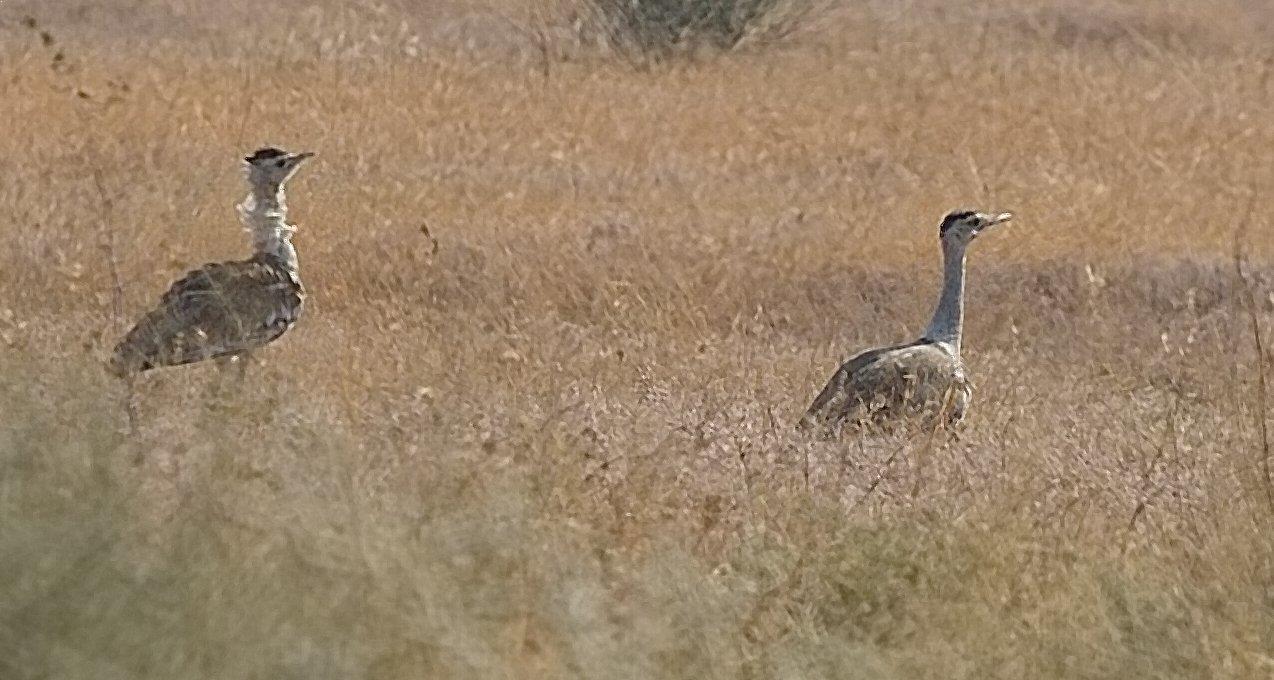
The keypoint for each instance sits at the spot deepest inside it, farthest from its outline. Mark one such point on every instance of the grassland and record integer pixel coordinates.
(565, 309)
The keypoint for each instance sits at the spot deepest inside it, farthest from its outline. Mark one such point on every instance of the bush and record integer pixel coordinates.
(658, 28)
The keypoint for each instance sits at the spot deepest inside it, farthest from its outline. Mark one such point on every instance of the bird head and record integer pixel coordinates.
(964, 225)
(272, 166)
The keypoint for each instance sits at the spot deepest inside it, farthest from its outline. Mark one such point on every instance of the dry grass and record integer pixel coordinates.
(559, 446)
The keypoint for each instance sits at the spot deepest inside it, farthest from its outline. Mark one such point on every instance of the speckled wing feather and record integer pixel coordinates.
(842, 392)
(890, 382)
(216, 310)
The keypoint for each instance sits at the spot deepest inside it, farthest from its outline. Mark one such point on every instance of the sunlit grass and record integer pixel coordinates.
(556, 442)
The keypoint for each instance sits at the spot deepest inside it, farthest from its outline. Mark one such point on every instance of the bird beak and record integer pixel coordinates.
(992, 220)
(302, 156)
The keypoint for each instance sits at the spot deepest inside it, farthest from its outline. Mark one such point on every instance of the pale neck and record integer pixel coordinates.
(948, 317)
(264, 214)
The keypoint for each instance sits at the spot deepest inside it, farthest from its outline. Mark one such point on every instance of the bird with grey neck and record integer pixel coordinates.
(226, 310)
(923, 379)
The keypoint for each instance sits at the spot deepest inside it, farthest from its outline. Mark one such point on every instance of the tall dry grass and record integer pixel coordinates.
(556, 442)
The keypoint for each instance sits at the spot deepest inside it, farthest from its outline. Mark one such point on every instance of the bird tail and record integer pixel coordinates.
(128, 358)
(141, 348)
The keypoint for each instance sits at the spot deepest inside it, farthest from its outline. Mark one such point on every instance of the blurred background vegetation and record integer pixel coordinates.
(575, 269)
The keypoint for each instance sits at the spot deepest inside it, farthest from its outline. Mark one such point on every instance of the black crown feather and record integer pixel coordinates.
(951, 219)
(264, 153)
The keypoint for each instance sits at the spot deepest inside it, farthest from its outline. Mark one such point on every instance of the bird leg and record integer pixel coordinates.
(225, 362)
(239, 362)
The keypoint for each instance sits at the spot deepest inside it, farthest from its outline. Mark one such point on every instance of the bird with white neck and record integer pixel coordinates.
(924, 378)
(226, 310)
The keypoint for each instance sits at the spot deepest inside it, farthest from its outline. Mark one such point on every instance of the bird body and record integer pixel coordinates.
(921, 378)
(924, 379)
(228, 308)
(220, 309)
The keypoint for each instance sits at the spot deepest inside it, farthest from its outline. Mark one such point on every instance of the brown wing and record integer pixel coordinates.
(838, 397)
(881, 382)
(219, 309)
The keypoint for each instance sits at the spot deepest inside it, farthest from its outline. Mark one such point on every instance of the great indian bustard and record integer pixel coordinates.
(226, 310)
(924, 378)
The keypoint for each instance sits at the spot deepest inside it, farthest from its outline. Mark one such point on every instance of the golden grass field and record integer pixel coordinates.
(565, 308)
